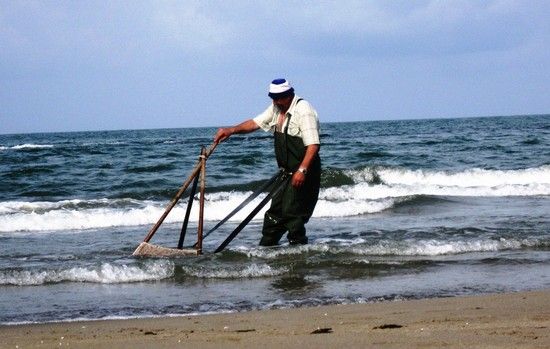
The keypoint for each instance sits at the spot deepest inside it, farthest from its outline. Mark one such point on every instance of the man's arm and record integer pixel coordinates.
(244, 127)
(298, 178)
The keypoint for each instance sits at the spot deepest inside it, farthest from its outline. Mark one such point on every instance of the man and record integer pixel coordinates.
(295, 126)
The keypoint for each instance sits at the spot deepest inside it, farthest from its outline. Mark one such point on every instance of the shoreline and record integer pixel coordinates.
(505, 320)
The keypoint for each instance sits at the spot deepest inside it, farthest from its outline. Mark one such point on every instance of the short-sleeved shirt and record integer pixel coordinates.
(304, 122)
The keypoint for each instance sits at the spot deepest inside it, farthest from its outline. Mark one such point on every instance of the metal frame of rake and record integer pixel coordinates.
(276, 183)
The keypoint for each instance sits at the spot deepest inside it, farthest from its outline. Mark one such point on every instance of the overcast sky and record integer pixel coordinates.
(95, 65)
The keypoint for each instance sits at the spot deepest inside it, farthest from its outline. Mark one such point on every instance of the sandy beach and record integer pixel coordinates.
(511, 320)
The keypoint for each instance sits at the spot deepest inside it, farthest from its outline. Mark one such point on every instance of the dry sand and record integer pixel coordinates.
(513, 320)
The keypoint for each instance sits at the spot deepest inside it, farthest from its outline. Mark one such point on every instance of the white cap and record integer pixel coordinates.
(279, 88)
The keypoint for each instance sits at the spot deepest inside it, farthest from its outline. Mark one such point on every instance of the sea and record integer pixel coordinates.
(408, 209)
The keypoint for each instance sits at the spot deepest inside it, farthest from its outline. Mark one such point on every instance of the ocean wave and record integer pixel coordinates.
(105, 213)
(39, 207)
(404, 248)
(438, 247)
(251, 271)
(63, 219)
(105, 273)
(365, 196)
(374, 183)
(471, 178)
(27, 146)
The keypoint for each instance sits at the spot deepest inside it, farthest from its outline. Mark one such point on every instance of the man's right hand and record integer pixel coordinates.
(223, 134)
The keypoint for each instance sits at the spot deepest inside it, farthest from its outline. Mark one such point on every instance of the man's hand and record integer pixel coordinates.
(298, 179)
(223, 134)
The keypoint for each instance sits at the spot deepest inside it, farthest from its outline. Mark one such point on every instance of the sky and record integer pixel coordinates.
(106, 65)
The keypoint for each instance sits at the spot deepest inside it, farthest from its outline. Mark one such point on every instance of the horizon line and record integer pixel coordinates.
(321, 122)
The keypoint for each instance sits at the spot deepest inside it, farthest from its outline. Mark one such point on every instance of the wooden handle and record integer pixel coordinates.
(195, 172)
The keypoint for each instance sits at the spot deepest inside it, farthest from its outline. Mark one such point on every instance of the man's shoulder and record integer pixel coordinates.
(302, 104)
(303, 107)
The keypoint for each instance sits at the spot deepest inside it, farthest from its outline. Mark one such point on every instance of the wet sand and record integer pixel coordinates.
(511, 320)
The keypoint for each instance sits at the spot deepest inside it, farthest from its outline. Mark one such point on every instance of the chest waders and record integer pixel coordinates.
(291, 208)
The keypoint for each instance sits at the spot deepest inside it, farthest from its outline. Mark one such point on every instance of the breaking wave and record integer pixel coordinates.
(27, 146)
(251, 271)
(106, 273)
(373, 190)
(395, 247)
(478, 182)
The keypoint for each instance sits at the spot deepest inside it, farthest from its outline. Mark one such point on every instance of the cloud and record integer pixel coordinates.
(87, 60)
(192, 26)
(370, 28)
(45, 34)
(124, 32)
(37, 34)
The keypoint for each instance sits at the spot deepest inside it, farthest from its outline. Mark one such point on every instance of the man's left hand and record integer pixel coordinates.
(298, 179)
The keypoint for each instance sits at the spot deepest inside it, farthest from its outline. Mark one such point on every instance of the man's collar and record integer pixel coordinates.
(293, 105)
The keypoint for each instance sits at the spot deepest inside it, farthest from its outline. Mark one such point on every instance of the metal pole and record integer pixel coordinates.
(280, 185)
(244, 203)
(188, 212)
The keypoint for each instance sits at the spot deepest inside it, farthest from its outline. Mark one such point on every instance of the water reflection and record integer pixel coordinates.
(295, 284)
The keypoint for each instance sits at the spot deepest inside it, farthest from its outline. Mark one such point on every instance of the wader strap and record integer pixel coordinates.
(281, 183)
(285, 134)
(246, 201)
(289, 116)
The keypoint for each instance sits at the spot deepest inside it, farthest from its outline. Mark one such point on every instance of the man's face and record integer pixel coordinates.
(283, 103)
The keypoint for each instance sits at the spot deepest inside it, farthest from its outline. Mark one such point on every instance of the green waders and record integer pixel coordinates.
(291, 208)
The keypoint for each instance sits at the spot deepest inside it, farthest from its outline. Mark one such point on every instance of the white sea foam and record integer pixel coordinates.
(398, 183)
(29, 146)
(409, 248)
(251, 271)
(105, 273)
(363, 197)
(435, 247)
(471, 178)
(81, 214)
(77, 219)
(45, 206)
(275, 252)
